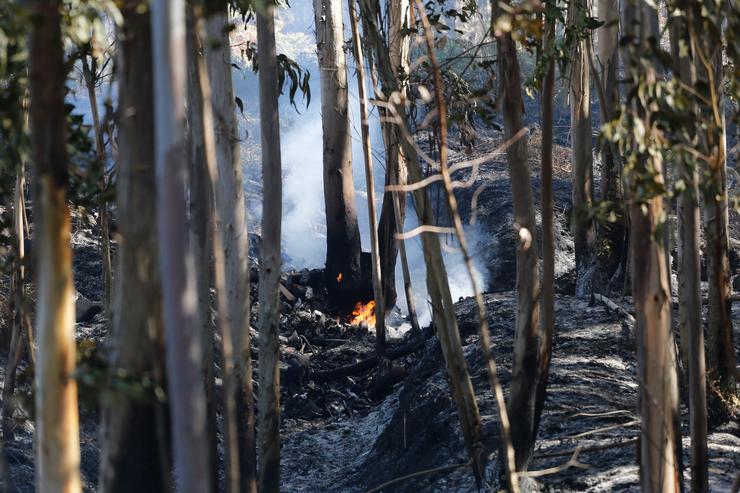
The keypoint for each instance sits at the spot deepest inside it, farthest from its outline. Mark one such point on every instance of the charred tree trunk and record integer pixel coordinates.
(343, 270)
(57, 421)
(391, 220)
(232, 224)
(583, 174)
(660, 438)
(131, 458)
(269, 297)
(183, 344)
(201, 236)
(525, 373)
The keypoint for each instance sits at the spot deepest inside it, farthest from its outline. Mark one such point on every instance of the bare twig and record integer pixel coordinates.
(417, 474)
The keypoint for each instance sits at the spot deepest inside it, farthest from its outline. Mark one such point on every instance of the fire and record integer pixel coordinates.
(340, 277)
(363, 311)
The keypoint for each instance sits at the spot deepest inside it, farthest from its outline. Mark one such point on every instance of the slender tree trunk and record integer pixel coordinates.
(391, 220)
(201, 236)
(57, 421)
(370, 180)
(130, 457)
(689, 282)
(548, 236)
(269, 297)
(720, 348)
(611, 235)
(183, 344)
(17, 310)
(660, 445)
(583, 177)
(437, 284)
(342, 230)
(90, 81)
(231, 205)
(525, 372)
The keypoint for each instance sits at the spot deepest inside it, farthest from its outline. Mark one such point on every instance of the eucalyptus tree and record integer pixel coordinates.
(579, 94)
(392, 216)
(707, 43)
(183, 344)
(343, 248)
(660, 438)
(57, 420)
(525, 372)
(232, 226)
(133, 427)
(689, 257)
(437, 283)
(269, 296)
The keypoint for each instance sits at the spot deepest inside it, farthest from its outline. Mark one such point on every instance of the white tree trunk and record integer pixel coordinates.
(183, 344)
(269, 296)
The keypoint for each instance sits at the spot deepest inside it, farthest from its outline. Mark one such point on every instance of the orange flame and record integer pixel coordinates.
(340, 277)
(364, 312)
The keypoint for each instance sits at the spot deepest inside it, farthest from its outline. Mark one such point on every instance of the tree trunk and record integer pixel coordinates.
(391, 220)
(660, 445)
(183, 344)
(437, 284)
(548, 235)
(201, 236)
(57, 421)
(720, 348)
(525, 372)
(583, 174)
(90, 81)
(231, 206)
(689, 281)
(342, 230)
(370, 181)
(611, 235)
(130, 456)
(269, 297)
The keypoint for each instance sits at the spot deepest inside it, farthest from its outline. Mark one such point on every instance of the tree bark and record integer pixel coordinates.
(183, 344)
(584, 231)
(611, 235)
(370, 180)
(720, 348)
(269, 297)
(57, 421)
(391, 220)
(130, 456)
(201, 236)
(89, 74)
(548, 235)
(689, 281)
(231, 206)
(525, 372)
(342, 230)
(660, 445)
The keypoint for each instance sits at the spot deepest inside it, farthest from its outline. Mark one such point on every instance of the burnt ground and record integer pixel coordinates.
(355, 433)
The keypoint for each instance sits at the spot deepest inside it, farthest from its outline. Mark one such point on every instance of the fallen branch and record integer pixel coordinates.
(585, 450)
(613, 306)
(417, 474)
(369, 363)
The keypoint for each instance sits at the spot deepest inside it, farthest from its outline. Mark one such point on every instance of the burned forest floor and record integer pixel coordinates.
(353, 433)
